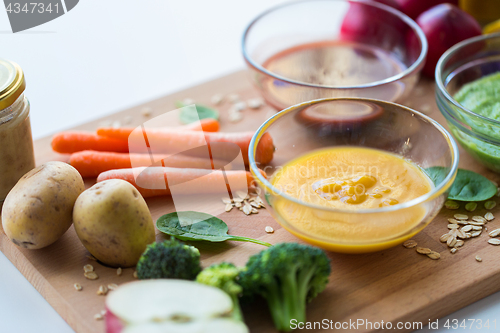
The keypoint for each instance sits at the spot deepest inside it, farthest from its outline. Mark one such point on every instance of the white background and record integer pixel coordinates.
(106, 55)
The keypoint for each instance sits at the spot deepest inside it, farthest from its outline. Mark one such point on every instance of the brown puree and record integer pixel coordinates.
(16, 147)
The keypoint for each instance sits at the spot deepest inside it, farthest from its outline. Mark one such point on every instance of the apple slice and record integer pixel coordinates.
(168, 305)
(218, 325)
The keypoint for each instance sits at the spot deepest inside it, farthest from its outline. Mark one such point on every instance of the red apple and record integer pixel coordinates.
(391, 3)
(413, 8)
(369, 24)
(444, 26)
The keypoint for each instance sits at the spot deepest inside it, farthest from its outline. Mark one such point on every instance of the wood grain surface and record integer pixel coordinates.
(395, 285)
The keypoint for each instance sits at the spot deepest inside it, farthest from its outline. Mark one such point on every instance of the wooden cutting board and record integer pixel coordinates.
(396, 285)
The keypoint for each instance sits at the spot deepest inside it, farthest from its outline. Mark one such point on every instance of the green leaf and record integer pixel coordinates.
(468, 185)
(267, 196)
(190, 115)
(199, 227)
(437, 174)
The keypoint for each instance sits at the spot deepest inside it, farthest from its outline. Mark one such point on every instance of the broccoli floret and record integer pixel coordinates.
(287, 275)
(224, 276)
(169, 260)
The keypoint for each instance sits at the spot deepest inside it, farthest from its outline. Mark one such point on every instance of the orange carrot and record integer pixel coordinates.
(73, 141)
(206, 125)
(265, 149)
(91, 163)
(156, 181)
(220, 143)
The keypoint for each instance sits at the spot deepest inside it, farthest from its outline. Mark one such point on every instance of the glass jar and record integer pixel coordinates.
(16, 143)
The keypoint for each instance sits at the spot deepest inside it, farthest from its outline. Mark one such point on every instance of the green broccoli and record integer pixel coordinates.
(223, 276)
(169, 260)
(287, 275)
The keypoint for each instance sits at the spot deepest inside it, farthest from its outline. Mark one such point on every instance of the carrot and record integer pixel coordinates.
(265, 149)
(91, 163)
(206, 125)
(156, 181)
(73, 141)
(164, 141)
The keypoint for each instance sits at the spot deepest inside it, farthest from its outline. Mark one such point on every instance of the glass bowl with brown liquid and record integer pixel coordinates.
(307, 50)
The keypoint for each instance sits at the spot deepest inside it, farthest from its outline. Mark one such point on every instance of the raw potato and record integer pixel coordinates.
(114, 223)
(38, 210)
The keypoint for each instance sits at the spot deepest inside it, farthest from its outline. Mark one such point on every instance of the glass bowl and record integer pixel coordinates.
(391, 128)
(465, 62)
(314, 49)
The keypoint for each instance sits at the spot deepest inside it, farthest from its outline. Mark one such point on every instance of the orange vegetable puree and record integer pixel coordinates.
(350, 179)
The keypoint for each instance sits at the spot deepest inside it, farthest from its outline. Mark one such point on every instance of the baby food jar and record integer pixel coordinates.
(16, 143)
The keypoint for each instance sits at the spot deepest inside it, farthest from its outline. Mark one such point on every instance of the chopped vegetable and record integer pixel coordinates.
(198, 226)
(287, 275)
(151, 182)
(71, 142)
(91, 163)
(468, 185)
(163, 305)
(224, 276)
(190, 115)
(444, 26)
(169, 260)
(122, 133)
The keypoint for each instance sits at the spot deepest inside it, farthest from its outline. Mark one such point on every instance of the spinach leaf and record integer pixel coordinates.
(437, 174)
(468, 185)
(190, 115)
(267, 196)
(199, 226)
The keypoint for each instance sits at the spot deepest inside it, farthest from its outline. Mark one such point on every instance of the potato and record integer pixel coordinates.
(38, 210)
(114, 223)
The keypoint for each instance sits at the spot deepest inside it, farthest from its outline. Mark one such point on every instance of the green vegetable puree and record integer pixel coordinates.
(482, 96)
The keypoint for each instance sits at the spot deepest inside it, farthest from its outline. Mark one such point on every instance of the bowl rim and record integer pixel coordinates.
(436, 190)
(452, 120)
(439, 71)
(417, 64)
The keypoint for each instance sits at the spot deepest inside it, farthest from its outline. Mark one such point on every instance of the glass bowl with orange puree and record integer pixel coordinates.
(349, 185)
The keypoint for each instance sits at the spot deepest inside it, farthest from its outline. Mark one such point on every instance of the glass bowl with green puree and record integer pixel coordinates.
(468, 96)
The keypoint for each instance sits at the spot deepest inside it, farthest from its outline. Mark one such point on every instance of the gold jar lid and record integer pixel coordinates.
(12, 83)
